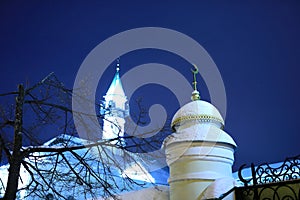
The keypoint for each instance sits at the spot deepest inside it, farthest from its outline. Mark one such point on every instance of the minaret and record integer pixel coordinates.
(115, 109)
(199, 153)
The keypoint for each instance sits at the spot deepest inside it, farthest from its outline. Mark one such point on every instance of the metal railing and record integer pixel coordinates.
(265, 173)
(269, 182)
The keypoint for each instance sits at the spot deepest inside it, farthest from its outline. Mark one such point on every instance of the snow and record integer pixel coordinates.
(68, 185)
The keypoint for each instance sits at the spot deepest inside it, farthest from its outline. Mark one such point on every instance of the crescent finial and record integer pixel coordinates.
(195, 94)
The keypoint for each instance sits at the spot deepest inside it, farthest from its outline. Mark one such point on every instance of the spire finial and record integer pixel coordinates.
(195, 94)
(118, 64)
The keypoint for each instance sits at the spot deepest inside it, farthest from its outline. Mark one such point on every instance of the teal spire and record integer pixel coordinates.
(116, 88)
(115, 96)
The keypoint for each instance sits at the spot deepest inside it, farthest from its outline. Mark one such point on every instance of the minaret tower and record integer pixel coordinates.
(199, 153)
(115, 109)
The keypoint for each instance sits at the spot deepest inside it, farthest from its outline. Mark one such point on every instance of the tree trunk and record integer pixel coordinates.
(16, 158)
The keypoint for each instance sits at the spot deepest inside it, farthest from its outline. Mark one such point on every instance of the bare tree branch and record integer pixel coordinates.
(86, 167)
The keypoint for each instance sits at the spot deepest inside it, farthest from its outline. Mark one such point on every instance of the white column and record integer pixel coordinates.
(196, 159)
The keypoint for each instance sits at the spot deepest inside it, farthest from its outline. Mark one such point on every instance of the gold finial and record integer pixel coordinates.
(195, 72)
(118, 64)
(195, 94)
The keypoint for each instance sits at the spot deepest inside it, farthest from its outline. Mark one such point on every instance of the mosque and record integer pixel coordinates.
(199, 153)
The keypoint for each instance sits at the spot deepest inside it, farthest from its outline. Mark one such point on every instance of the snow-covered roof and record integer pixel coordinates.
(107, 164)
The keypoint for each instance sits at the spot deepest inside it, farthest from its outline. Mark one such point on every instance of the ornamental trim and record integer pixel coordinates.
(195, 117)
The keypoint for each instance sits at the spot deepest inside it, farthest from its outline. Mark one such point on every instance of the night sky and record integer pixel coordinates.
(255, 46)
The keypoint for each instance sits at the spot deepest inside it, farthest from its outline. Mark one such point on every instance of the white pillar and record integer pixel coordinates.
(198, 153)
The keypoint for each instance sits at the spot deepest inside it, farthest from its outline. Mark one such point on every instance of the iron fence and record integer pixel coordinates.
(271, 183)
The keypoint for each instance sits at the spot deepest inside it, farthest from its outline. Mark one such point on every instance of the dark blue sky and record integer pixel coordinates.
(255, 46)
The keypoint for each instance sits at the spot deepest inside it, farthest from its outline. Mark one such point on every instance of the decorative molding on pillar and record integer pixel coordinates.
(204, 175)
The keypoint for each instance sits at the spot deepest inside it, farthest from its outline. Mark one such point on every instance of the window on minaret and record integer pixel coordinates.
(111, 104)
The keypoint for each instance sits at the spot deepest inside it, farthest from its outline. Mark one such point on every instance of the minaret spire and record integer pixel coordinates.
(195, 93)
(117, 109)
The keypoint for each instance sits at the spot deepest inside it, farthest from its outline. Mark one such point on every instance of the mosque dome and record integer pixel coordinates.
(198, 121)
(197, 111)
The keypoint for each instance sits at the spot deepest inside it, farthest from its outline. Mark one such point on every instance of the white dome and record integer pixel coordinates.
(197, 110)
